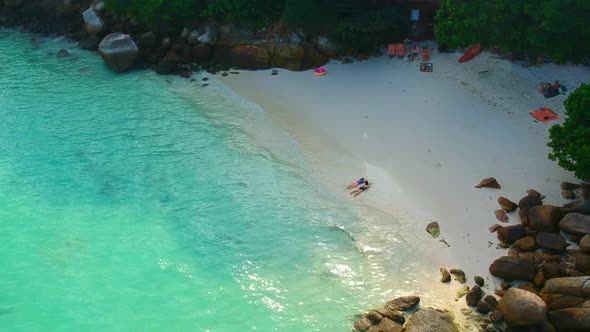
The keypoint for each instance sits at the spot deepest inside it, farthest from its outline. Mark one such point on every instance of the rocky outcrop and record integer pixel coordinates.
(552, 242)
(430, 319)
(571, 319)
(544, 218)
(572, 292)
(403, 303)
(118, 51)
(521, 307)
(513, 268)
(489, 183)
(93, 22)
(506, 204)
(576, 224)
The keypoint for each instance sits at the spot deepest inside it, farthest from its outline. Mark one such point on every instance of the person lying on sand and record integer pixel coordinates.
(365, 186)
(356, 183)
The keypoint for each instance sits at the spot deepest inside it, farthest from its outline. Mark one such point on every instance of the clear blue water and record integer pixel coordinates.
(139, 202)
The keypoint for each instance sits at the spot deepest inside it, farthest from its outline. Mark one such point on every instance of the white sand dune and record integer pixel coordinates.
(425, 139)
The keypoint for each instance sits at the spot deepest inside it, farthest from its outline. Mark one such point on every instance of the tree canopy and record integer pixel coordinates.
(557, 28)
(570, 142)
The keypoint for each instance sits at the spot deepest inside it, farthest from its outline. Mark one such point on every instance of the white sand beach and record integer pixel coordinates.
(425, 140)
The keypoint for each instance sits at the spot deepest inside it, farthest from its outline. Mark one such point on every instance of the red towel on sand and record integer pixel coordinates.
(544, 115)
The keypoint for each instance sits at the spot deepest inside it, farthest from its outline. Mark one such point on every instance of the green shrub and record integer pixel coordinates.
(155, 11)
(252, 12)
(570, 142)
(311, 15)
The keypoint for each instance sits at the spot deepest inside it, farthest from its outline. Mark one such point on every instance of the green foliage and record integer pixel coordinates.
(570, 142)
(371, 29)
(311, 15)
(254, 12)
(557, 28)
(155, 11)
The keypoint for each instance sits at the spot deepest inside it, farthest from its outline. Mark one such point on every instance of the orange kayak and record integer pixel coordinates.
(471, 53)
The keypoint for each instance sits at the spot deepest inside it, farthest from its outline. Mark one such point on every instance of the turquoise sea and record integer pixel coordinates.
(138, 202)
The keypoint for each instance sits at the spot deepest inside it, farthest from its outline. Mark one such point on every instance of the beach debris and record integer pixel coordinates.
(462, 291)
(509, 234)
(474, 295)
(445, 276)
(433, 229)
(490, 182)
(506, 204)
(63, 53)
(445, 242)
(501, 215)
(494, 228)
(525, 244)
(568, 194)
(459, 275)
(478, 281)
(403, 303)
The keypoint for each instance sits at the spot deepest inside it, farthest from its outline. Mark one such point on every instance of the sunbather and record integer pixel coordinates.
(356, 183)
(365, 186)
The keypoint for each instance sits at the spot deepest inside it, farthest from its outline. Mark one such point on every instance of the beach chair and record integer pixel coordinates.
(400, 50)
(425, 54)
(391, 51)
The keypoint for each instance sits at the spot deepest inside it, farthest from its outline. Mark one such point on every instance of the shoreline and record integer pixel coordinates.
(486, 113)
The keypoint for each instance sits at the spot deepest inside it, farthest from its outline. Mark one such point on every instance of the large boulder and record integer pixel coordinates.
(552, 242)
(568, 292)
(513, 268)
(92, 21)
(386, 325)
(403, 303)
(583, 263)
(571, 319)
(118, 51)
(148, 40)
(544, 218)
(209, 35)
(327, 47)
(430, 320)
(509, 234)
(373, 321)
(521, 307)
(576, 224)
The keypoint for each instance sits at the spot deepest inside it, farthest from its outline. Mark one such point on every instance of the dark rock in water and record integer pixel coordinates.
(479, 281)
(90, 44)
(571, 319)
(501, 215)
(506, 204)
(185, 74)
(483, 307)
(583, 263)
(521, 307)
(570, 186)
(205, 79)
(63, 53)
(551, 241)
(526, 243)
(576, 224)
(445, 276)
(234, 72)
(274, 73)
(224, 74)
(204, 85)
(496, 316)
(489, 183)
(567, 194)
(474, 295)
(148, 40)
(585, 243)
(403, 303)
(491, 300)
(118, 51)
(430, 319)
(459, 275)
(513, 268)
(433, 229)
(510, 234)
(192, 80)
(544, 218)
(394, 315)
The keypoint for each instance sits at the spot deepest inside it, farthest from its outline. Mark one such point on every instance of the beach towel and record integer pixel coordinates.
(544, 115)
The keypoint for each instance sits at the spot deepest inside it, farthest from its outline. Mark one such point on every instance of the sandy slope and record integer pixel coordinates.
(425, 139)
